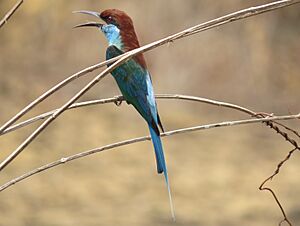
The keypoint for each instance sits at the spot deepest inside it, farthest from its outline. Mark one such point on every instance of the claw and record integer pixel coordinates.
(118, 101)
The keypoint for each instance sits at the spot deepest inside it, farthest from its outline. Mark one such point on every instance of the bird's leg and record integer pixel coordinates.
(118, 101)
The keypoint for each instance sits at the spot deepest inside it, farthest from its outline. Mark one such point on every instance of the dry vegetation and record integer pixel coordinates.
(215, 174)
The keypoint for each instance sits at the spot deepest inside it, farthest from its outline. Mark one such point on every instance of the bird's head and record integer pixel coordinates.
(118, 30)
(117, 18)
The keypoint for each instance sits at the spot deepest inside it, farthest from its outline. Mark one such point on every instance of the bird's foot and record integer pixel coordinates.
(118, 101)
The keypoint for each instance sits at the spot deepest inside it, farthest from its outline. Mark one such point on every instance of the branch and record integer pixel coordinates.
(289, 129)
(119, 99)
(10, 13)
(52, 91)
(193, 30)
(262, 187)
(59, 111)
(49, 113)
(190, 31)
(141, 139)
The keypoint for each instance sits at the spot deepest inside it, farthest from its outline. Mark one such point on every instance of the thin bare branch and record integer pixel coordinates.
(140, 139)
(119, 99)
(289, 129)
(262, 187)
(33, 135)
(49, 113)
(52, 91)
(8, 15)
(252, 11)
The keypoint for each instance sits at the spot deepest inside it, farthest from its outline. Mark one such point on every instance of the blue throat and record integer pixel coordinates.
(113, 36)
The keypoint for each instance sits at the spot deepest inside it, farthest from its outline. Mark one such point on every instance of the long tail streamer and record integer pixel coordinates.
(161, 165)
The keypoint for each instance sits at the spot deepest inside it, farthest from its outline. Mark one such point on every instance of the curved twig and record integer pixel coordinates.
(49, 113)
(289, 129)
(59, 111)
(140, 139)
(52, 91)
(262, 187)
(119, 99)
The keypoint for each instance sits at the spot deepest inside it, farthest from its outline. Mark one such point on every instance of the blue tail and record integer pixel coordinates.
(161, 163)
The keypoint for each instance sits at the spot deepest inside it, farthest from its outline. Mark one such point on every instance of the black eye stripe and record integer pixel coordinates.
(109, 19)
(106, 17)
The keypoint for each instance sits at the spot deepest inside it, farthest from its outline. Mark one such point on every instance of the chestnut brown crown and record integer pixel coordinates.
(127, 32)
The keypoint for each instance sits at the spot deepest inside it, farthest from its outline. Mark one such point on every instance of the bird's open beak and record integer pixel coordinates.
(89, 24)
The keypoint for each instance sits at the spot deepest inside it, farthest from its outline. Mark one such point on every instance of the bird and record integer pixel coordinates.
(132, 77)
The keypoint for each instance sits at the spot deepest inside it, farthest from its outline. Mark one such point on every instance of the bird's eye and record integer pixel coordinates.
(110, 18)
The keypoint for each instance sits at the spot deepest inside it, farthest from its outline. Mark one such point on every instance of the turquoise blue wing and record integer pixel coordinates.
(136, 87)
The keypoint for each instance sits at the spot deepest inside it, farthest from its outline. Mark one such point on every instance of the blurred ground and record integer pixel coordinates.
(214, 174)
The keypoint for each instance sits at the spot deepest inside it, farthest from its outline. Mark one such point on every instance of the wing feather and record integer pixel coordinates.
(135, 85)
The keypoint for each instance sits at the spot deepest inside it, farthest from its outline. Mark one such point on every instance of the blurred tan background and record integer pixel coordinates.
(214, 174)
